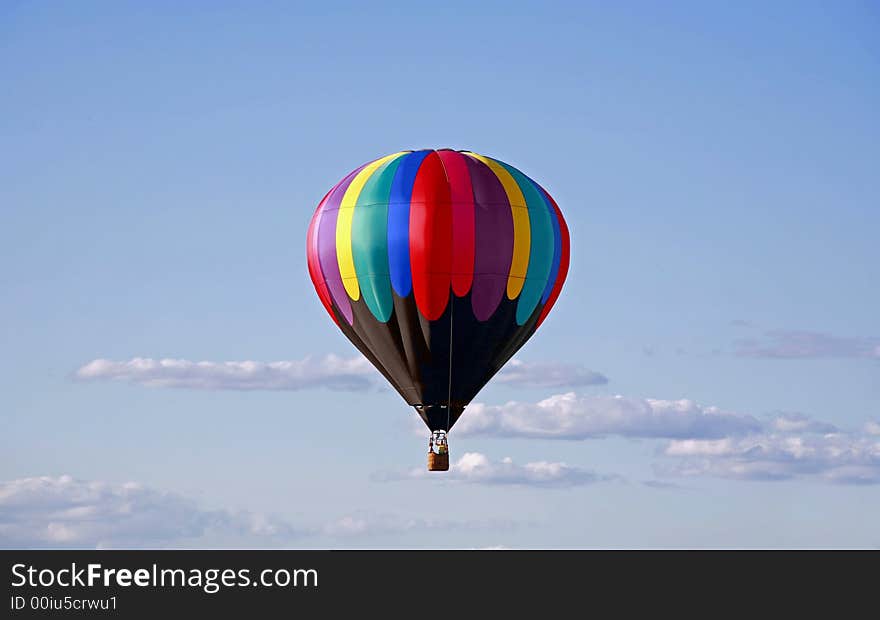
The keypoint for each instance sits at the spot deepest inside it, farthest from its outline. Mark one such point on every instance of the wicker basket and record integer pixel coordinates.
(438, 462)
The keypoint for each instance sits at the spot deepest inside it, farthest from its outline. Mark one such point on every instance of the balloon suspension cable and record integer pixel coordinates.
(449, 392)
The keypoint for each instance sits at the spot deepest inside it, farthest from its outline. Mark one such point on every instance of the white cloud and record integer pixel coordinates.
(569, 416)
(331, 371)
(799, 423)
(547, 375)
(364, 525)
(831, 457)
(477, 468)
(64, 512)
(872, 427)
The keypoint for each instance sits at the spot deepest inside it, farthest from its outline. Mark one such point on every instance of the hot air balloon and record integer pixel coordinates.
(438, 265)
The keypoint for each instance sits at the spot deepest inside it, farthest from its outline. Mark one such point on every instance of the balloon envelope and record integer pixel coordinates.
(438, 265)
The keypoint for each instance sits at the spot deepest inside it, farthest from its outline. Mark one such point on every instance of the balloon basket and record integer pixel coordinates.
(438, 462)
(438, 452)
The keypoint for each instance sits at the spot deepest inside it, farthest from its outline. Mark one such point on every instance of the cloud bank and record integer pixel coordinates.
(476, 468)
(331, 372)
(64, 512)
(702, 441)
(833, 457)
(570, 416)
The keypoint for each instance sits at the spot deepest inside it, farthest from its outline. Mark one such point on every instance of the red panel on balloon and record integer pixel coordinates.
(430, 238)
(462, 197)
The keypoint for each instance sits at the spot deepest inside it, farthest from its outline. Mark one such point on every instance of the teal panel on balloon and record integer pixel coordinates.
(369, 241)
(541, 246)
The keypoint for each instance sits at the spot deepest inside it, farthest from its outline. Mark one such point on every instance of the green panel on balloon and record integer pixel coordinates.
(369, 241)
(541, 249)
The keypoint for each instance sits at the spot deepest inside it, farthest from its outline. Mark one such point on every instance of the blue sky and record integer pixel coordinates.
(717, 166)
